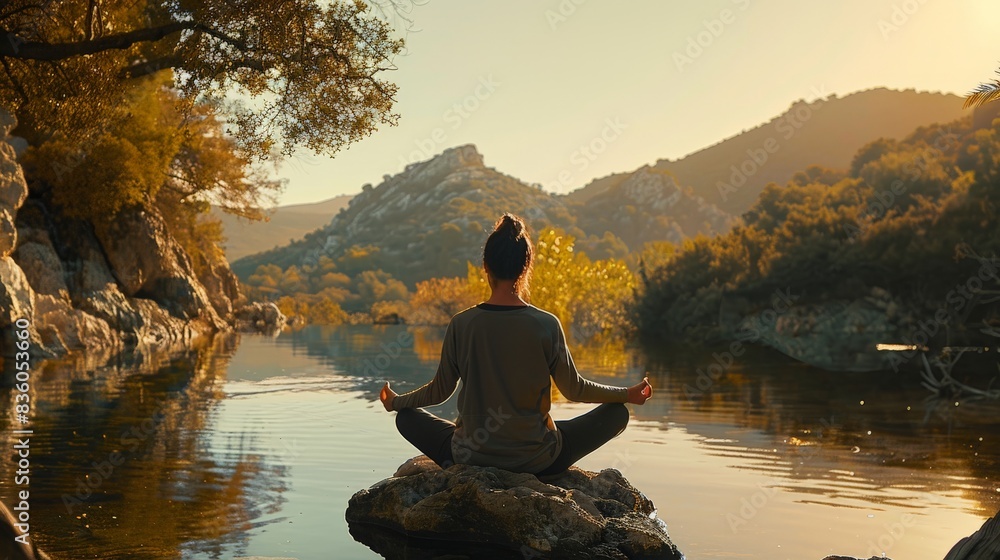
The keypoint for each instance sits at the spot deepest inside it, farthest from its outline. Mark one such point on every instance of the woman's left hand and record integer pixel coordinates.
(638, 394)
(387, 395)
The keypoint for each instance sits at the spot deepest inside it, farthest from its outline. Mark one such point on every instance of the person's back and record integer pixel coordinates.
(507, 353)
(507, 357)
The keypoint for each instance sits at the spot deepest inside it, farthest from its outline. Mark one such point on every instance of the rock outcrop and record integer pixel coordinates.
(101, 288)
(834, 335)
(260, 317)
(417, 224)
(575, 515)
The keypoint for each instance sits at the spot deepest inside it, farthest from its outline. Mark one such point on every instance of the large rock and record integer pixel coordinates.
(222, 286)
(92, 286)
(984, 544)
(13, 188)
(148, 262)
(575, 515)
(263, 317)
(833, 335)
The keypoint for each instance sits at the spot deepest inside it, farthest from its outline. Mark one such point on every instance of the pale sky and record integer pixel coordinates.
(533, 83)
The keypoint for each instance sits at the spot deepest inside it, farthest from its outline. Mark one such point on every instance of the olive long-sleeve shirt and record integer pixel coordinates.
(506, 358)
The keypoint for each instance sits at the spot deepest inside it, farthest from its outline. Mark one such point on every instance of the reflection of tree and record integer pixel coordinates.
(427, 342)
(172, 489)
(818, 425)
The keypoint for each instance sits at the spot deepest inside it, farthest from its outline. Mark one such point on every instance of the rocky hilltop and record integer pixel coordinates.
(100, 288)
(430, 219)
(425, 221)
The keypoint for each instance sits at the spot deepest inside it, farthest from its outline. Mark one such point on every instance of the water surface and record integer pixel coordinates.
(252, 446)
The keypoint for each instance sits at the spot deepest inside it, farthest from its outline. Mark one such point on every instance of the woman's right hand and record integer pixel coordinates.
(637, 394)
(387, 396)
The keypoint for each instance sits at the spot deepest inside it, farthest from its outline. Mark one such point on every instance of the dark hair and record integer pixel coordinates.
(508, 252)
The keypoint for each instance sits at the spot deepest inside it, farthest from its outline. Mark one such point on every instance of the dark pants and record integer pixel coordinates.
(581, 435)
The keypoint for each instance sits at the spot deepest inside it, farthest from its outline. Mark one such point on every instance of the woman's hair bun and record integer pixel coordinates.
(508, 252)
(510, 224)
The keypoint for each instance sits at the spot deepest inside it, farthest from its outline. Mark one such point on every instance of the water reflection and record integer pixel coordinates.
(856, 436)
(121, 468)
(249, 445)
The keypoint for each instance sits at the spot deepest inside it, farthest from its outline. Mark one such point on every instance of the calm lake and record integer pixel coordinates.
(252, 445)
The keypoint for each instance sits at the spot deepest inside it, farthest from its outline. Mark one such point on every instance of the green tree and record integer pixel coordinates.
(304, 72)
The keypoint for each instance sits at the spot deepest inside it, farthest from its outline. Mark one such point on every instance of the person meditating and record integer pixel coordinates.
(507, 352)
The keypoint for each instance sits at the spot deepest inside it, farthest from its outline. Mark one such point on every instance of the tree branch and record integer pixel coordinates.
(35, 50)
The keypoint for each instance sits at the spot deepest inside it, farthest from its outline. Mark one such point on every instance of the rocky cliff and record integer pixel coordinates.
(100, 288)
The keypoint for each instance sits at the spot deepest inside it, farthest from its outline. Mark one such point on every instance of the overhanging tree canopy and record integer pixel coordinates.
(284, 73)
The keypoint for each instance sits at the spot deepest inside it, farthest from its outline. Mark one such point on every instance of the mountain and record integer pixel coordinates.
(425, 221)
(826, 132)
(432, 218)
(286, 223)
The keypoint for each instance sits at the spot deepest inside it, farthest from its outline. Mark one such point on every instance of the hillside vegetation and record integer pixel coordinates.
(904, 217)
(430, 221)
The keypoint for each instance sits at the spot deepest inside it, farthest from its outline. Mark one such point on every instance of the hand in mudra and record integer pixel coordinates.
(387, 395)
(637, 394)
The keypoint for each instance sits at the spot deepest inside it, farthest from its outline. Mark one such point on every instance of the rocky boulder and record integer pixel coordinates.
(575, 515)
(836, 335)
(264, 317)
(13, 188)
(148, 262)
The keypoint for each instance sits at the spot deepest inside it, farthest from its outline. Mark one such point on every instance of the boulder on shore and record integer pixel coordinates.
(574, 515)
(262, 317)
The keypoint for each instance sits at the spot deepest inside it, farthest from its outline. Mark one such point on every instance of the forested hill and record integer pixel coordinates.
(432, 218)
(827, 132)
(426, 221)
(910, 226)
